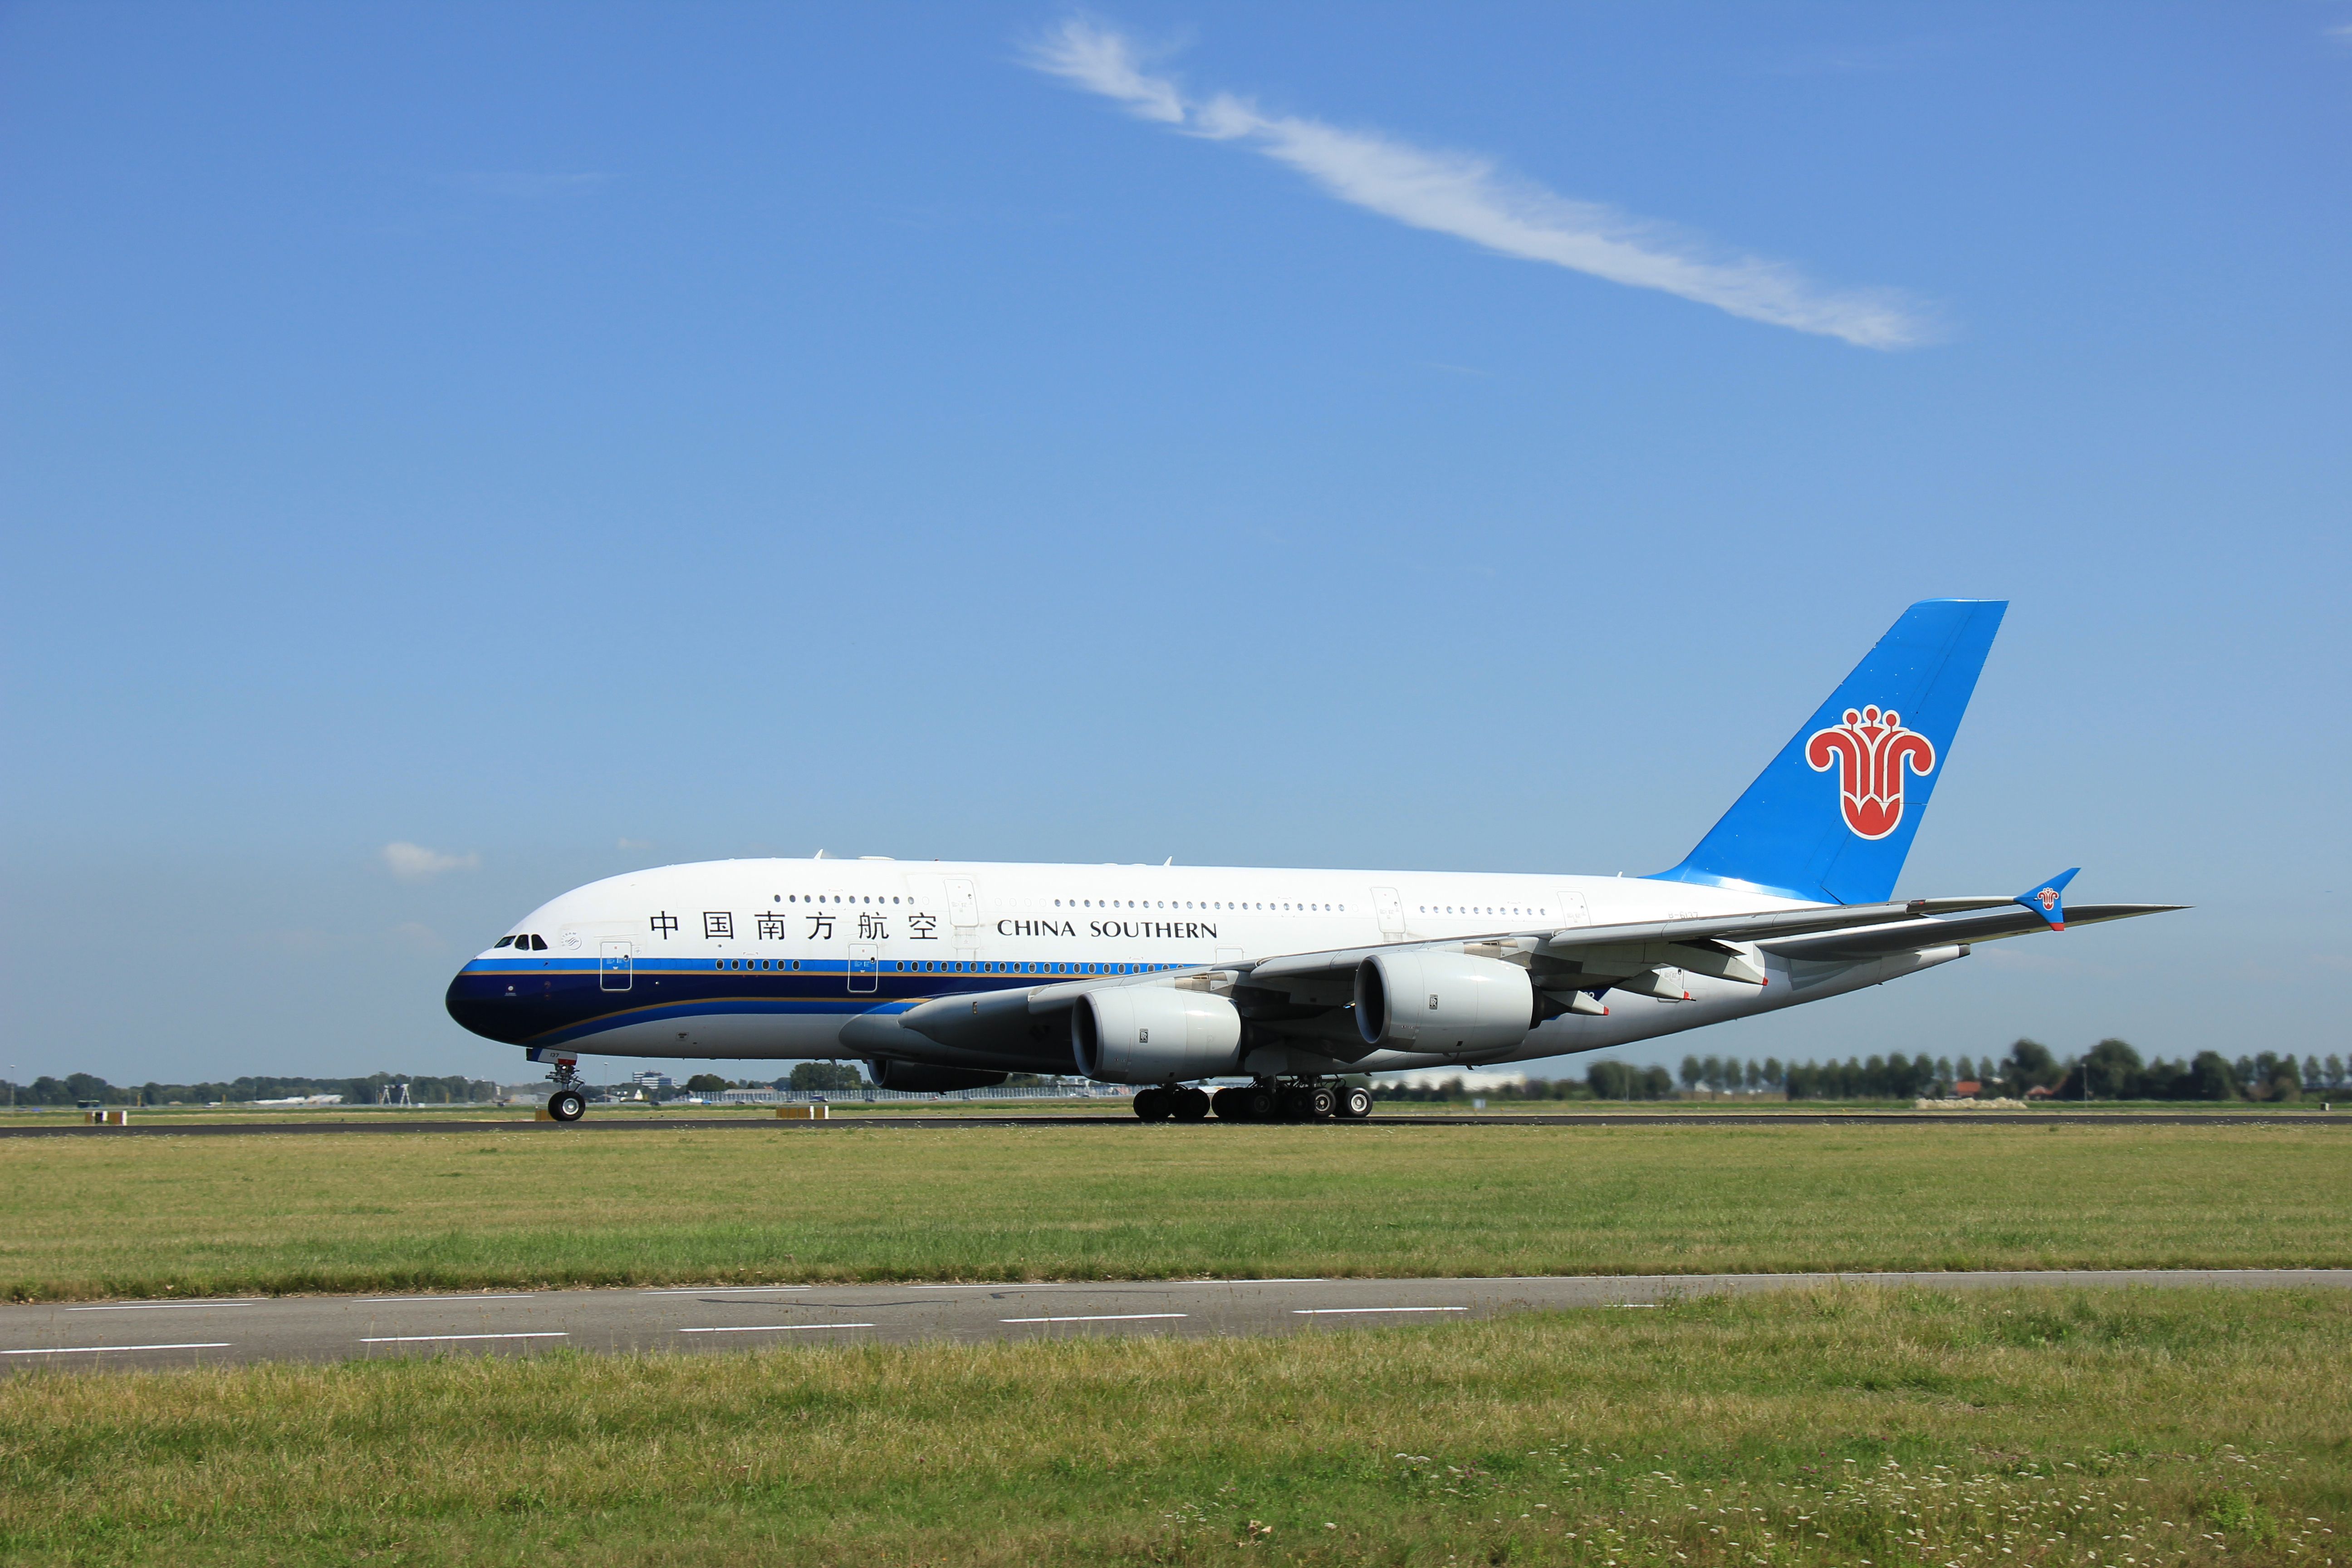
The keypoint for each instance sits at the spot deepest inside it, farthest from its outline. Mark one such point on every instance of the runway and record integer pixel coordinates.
(86, 1336)
(917, 1121)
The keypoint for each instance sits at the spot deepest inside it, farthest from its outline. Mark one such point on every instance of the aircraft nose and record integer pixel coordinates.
(487, 1004)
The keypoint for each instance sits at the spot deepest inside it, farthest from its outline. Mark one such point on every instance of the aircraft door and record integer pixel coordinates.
(1391, 909)
(863, 967)
(1573, 912)
(963, 904)
(614, 969)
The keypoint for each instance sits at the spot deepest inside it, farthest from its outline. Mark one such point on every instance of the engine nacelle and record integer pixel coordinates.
(1154, 1034)
(918, 1078)
(1442, 1002)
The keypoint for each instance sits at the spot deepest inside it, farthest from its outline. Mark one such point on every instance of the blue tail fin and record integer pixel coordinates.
(1832, 817)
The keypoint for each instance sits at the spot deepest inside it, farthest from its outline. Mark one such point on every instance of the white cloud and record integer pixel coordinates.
(1464, 196)
(632, 843)
(416, 863)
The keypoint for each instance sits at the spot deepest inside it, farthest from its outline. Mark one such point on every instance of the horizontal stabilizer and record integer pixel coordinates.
(1915, 936)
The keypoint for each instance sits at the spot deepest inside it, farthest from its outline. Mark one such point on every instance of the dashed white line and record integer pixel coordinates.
(92, 1349)
(158, 1306)
(720, 1290)
(1343, 1311)
(495, 1296)
(773, 1328)
(420, 1338)
(1096, 1318)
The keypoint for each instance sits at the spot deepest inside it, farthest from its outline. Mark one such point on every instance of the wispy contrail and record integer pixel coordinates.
(1463, 195)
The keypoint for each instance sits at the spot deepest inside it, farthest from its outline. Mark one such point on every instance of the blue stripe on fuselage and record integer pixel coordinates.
(538, 1002)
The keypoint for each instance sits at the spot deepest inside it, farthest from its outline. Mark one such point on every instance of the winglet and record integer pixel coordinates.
(2046, 899)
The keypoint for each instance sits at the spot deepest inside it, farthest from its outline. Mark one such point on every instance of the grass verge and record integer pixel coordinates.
(2112, 1428)
(91, 1218)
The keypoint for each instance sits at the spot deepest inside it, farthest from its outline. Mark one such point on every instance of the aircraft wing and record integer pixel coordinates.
(1573, 965)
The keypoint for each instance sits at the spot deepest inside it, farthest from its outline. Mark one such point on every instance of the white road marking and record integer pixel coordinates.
(720, 1290)
(495, 1296)
(419, 1339)
(158, 1306)
(87, 1350)
(1335, 1312)
(1097, 1318)
(773, 1328)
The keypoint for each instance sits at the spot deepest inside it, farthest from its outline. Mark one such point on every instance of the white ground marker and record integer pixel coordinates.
(94, 1350)
(773, 1328)
(421, 1338)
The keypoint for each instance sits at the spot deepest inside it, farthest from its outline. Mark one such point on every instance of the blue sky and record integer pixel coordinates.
(570, 438)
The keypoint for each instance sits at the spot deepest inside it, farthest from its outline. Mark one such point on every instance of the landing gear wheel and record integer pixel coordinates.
(1259, 1103)
(1308, 1102)
(567, 1105)
(1228, 1105)
(1152, 1104)
(1188, 1104)
(1355, 1103)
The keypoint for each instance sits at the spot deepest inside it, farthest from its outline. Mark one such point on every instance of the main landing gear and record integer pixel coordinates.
(1267, 1100)
(567, 1103)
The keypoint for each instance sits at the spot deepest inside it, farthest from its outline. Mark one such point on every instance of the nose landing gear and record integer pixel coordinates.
(567, 1103)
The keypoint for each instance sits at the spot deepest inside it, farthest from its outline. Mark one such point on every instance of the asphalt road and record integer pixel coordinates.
(625, 1122)
(118, 1334)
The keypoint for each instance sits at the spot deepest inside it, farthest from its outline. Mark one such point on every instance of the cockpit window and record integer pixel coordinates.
(504, 942)
(539, 945)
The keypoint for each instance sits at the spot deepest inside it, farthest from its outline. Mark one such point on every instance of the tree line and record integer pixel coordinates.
(82, 1088)
(2112, 1069)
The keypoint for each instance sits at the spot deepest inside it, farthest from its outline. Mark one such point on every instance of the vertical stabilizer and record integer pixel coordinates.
(1832, 817)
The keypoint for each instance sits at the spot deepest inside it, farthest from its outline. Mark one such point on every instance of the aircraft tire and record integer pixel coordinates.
(1260, 1103)
(567, 1105)
(1355, 1103)
(1190, 1104)
(1317, 1102)
(1227, 1105)
(1152, 1104)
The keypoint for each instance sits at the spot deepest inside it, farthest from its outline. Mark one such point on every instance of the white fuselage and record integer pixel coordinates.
(776, 958)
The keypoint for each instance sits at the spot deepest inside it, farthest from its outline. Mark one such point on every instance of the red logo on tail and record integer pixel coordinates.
(1870, 750)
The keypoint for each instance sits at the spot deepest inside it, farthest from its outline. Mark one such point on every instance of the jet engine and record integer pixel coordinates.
(891, 1073)
(1442, 1002)
(1154, 1034)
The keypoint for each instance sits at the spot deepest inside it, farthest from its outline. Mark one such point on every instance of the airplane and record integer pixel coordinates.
(946, 975)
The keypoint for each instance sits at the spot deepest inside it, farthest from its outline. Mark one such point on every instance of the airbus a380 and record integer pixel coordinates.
(945, 975)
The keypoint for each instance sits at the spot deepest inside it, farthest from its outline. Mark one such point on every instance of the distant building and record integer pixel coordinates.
(1967, 1088)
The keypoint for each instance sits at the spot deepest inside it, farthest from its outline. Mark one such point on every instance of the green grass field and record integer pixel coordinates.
(2110, 1429)
(93, 1217)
